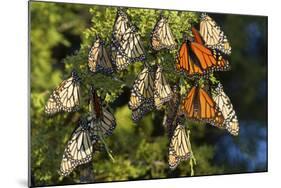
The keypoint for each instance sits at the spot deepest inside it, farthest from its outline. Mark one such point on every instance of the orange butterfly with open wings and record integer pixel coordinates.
(198, 105)
(197, 60)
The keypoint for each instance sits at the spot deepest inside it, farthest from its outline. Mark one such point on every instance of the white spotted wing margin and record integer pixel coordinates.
(102, 121)
(162, 36)
(213, 35)
(143, 89)
(226, 108)
(162, 90)
(66, 166)
(142, 94)
(98, 58)
(66, 97)
(126, 45)
(179, 147)
(79, 149)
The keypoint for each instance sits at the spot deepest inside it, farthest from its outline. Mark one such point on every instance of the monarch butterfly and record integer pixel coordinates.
(98, 59)
(130, 45)
(213, 35)
(197, 60)
(121, 24)
(162, 91)
(142, 110)
(79, 148)
(198, 105)
(67, 166)
(141, 100)
(102, 121)
(65, 97)
(143, 88)
(162, 36)
(126, 47)
(179, 147)
(120, 61)
(224, 104)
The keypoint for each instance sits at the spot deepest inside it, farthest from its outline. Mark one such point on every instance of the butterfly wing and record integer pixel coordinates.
(178, 149)
(66, 166)
(126, 41)
(98, 59)
(196, 36)
(213, 35)
(162, 36)
(173, 159)
(130, 45)
(162, 91)
(142, 91)
(66, 96)
(197, 60)
(141, 111)
(103, 126)
(225, 106)
(198, 105)
(141, 100)
(121, 62)
(79, 148)
(102, 121)
(121, 25)
(209, 59)
(52, 106)
(187, 62)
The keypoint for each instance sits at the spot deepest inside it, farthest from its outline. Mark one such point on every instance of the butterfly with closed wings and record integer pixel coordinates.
(179, 147)
(66, 97)
(213, 36)
(79, 149)
(225, 106)
(142, 93)
(162, 90)
(98, 58)
(102, 121)
(162, 36)
(126, 45)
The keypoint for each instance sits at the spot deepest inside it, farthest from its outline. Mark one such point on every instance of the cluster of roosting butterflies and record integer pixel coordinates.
(198, 57)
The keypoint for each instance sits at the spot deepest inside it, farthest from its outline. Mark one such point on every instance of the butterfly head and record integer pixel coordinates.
(83, 123)
(121, 12)
(219, 87)
(204, 17)
(187, 38)
(99, 40)
(162, 18)
(159, 68)
(74, 73)
(75, 76)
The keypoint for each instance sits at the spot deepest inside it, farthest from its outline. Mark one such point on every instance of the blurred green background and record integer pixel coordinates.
(60, 36)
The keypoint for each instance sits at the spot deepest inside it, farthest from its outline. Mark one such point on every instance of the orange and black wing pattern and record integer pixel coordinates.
(196, 35)
(198, 105)
(197, 60)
